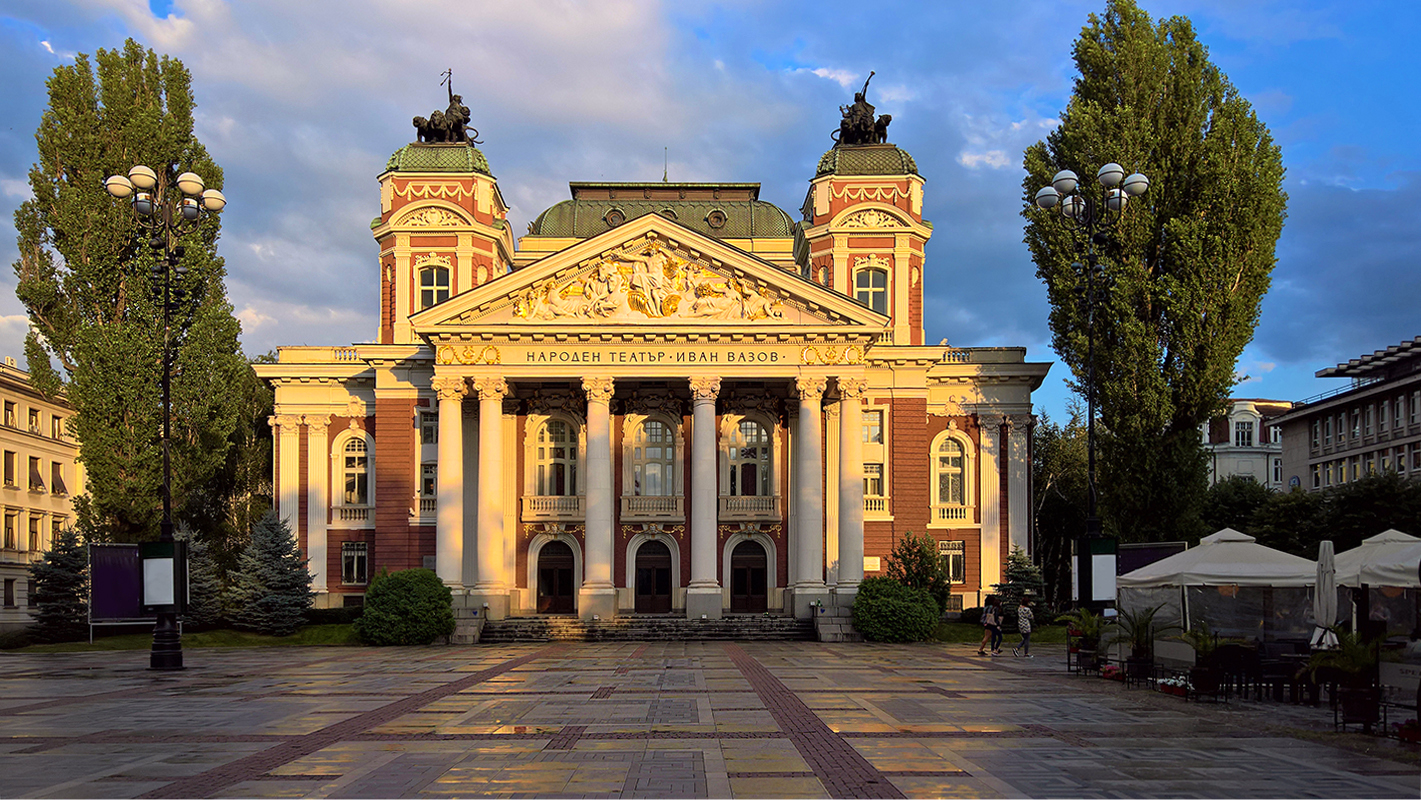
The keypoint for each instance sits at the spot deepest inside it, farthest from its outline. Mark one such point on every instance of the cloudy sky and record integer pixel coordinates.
(302, 103)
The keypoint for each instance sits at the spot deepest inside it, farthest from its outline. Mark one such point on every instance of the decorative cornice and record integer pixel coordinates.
(852, 388)
(491, 388)
(810, 388)
(599, 390)
(705, 389)
(450, 387)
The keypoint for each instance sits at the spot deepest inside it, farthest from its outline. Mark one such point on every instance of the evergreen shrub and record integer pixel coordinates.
(59, 590)
(408, 607)
(887, 611)
(271, 587)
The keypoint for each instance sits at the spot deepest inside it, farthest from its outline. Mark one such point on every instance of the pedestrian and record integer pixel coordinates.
(1023, 624)
(991, 627)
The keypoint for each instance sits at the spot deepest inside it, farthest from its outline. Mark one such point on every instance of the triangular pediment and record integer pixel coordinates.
(648, 272)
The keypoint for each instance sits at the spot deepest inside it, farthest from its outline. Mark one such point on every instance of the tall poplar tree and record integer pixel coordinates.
(84, 277)
(1190, 262)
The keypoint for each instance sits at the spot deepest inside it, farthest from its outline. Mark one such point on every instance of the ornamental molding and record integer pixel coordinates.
(429, 190)
(705, 389)
(813, 354)
(865, 194)
(852, 388)
(468, 354)
(318, 424)
(872, 262)
(491, 388)
(655, 401)
(599, 390)
(288, 423)
(432, 218)
(449, 387)
(772, 530)
(763, 402)
(990, 421)
(653, 530)
(871, 218)
(355, 410)
(549, 401)
(810, 389)
(433, 260)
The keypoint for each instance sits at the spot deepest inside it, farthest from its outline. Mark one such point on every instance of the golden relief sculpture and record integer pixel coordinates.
(647, 281)
(469, 354)
(434, 191)
(850, 354)
(872, 218)
(432, 218)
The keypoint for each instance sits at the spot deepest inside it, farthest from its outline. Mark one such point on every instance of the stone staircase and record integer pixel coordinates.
(546, 628)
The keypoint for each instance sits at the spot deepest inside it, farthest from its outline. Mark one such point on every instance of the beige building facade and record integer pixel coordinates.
(1244, 443)
(40, 478)
(664, 399)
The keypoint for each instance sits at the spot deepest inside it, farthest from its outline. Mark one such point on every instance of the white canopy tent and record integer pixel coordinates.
(1387, 565)
(1237, 586)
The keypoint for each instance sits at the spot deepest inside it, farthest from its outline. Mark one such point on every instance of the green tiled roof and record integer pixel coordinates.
(744, 219)
(438, 158)
(869, 159)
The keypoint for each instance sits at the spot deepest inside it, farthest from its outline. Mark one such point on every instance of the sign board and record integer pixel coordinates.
(115, 583)
(872, 564)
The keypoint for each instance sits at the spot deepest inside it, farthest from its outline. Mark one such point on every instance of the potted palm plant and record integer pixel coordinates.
(1138, 630)
(1352, 667)
(1086, 626)
(1205, 677)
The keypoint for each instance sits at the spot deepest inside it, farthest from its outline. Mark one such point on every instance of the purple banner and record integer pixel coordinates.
(115, 583)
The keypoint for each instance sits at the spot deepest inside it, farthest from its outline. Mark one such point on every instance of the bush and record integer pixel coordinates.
(333, 616)
(271, 588)
(971, 616)
(914, 562)
(411, 606)
(887, 611)
(14, 640)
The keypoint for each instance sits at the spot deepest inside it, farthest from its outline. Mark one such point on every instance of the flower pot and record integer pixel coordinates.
(1205, 680)
(1411, 735)
(1359, 706)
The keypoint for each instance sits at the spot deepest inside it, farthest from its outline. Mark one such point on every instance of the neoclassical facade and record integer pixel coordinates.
(667, 398)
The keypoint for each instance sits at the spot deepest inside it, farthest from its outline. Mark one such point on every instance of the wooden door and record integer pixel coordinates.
(653, 579)
(555, 584)
(748, 579)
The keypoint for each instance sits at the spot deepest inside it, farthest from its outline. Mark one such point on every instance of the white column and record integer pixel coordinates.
(1018, 470)
(598, 595)
(449, 493)
(809, 492)
(989, 478)
(288, 469)
(318, 462)
(851, 392)
(703, 594)
(488, 585)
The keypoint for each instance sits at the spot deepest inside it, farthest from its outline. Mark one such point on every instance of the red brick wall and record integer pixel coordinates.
(397, 545)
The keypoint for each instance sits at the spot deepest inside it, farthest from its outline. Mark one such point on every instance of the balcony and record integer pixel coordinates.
(952, 514)
(637, 508)
(428, 506)
(353, 516)
(738, 508)
(545, 508)
(875, 506)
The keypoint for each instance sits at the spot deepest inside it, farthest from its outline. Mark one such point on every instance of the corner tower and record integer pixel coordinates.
(442, 231)
(863, 232)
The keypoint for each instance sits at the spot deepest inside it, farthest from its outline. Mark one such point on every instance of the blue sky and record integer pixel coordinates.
(301, 103)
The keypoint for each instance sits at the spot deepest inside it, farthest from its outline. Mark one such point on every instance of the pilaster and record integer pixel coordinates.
(989, 478)
(317, 500)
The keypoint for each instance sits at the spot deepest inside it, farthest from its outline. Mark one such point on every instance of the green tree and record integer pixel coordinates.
(85, 279)
(408, 607)
(205, 582)
(1189, 262)
(914, 562)
(1020, 577)
(1233, 503)
(1292, 522)
(271, 589)
(1058, 462)
(1363, 508)
(59, 589)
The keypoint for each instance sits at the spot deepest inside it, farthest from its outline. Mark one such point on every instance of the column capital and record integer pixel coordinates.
(491, 388)
(1019, 421)
(810, 388)
(288, 421)
(705, 389)
(990, 421)
(852, 388)
(450, 387)
(599, 390)
(317, 424)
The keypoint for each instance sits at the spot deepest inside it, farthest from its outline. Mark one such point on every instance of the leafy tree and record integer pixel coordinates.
(1293, 522)
(59, 589)
(1363, 508)
(1233, 502)
(271, 589)
(411, 606)
(85, 279)
(914, 562)
(1058, 462)
(1019, 578)
(1189, 262)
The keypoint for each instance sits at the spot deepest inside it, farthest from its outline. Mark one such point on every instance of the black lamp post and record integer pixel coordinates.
(1090, 215)
(165, 215)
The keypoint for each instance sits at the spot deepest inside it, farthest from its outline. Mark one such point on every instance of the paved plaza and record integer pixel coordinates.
(693, 719)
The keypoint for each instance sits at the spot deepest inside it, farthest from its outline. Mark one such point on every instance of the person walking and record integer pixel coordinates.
(1024, 619)
(991, 627)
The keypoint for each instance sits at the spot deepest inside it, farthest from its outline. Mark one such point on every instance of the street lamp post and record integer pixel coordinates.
(1091, 215)
(165, 215)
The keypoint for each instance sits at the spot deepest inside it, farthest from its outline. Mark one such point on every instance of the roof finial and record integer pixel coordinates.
(664, 164)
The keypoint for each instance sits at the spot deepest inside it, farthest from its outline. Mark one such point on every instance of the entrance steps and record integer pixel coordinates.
(565, 628)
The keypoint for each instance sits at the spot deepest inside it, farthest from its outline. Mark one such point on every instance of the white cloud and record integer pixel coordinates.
(252, 318)
(46, 46)
(996, 159)
(840, 76)
(16, 188)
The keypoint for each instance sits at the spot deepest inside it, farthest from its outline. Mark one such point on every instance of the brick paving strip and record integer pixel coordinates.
(256, 765)
(842, 769)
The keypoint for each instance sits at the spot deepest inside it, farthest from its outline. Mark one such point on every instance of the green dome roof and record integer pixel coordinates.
(737, 219)
(867, 159)
(438, 158)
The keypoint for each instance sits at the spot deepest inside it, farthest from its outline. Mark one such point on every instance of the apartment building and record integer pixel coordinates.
(1244, 443)
(41, 476)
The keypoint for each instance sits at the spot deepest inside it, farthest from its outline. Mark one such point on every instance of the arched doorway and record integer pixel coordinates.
(555, 584)
(748, 578)
(653, 579)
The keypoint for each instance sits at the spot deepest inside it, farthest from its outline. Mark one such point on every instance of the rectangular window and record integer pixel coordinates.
(10, 522)
(1371, 463)
(1415, 407)
(1327, 431)
(10, 459)
(9, 592)
(1367, 428)
(1415, 457)
(1357, 423)
(873, 427)
(56, 478)
(55, 526)
(1275, 434)
(872, 480)
(1327, 475)
(1400, 415)
(10, 421)
(1356, 467)
(954, 560)
(1386, 461)
(1401, 460)
(1277, 470)
(56, 427)
(1243, 434)
(428, 480)
(1316, 430)
(1316, 476)
(354, 562)
(428, 429)
(1381, 417)
(36, 477)
(34, 420)
(34, 534)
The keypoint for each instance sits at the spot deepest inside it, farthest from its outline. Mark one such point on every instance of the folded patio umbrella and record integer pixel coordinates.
(1324, 600)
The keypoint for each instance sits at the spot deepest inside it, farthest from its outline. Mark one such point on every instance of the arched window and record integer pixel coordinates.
(433, 286)
(654, 460)
(355, 473)
(555, 458)
(871, 289)
(950, 472)
(750, 460)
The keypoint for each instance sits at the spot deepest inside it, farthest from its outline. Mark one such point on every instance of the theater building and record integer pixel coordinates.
(666, 398)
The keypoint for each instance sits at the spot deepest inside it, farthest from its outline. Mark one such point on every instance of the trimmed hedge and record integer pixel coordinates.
(343, 615)
(971, 616)
(411, 606)
(887, 611)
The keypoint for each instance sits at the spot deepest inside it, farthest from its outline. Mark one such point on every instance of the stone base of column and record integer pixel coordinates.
(844, 595)
(805, 600)
(704, 602)
(493, 602)
(600, 602)
(468, 621)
